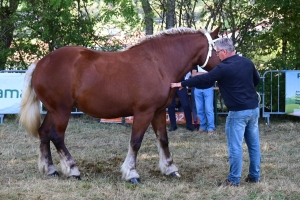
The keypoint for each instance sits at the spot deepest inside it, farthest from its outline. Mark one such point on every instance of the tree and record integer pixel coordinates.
(37, 27)
(7, 11)
(148, 17)
(48, 25)
(281, 39)
(40, 27)
(170, 14)
(237, 19)
(264, 30)
(186, 13)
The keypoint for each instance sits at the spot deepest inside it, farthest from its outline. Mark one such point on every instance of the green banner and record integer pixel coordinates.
(292, 89)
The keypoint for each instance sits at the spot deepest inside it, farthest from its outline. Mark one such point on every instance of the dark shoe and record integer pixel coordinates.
(227, 183)
(196, 126)
(250, 180)
(173, 128)
(190, 128)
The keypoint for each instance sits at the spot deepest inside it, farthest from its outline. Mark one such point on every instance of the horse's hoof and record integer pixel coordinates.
(135, 181)
(77, 177)
(54, 174)
(175, 175)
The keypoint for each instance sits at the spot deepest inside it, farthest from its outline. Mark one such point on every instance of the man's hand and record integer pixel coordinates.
(173, 85)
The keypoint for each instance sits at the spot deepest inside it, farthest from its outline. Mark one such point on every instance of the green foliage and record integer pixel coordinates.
(57, 4)
(264, 30)
(59, 24)
(4, 53)
(273, 87)
(43, 26)
(237, 19)
(120, 13)
(7, 12)
(281, 37)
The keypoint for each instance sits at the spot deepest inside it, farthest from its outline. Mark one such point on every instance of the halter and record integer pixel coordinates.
(211, 45)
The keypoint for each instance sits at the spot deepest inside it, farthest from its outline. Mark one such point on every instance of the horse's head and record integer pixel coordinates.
(207, 56)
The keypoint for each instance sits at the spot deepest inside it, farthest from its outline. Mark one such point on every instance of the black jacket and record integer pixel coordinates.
(237, 79)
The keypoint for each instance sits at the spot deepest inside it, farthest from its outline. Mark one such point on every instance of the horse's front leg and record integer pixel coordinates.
(165, 160)
(139, 127)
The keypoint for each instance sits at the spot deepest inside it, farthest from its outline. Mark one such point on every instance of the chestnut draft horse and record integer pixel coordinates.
(134, 82)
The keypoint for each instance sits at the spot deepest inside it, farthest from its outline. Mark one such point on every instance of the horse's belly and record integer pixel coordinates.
(105, 109)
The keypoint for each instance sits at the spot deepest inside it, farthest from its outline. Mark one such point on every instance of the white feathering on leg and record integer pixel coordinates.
(128, 167)
(165, 168)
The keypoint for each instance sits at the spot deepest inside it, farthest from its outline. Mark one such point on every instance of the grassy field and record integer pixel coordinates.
(100, 149)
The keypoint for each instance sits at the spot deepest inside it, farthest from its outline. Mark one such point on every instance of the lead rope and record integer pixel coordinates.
(211, 45)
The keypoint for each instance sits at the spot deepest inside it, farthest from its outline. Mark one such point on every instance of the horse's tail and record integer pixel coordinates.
(29, 115)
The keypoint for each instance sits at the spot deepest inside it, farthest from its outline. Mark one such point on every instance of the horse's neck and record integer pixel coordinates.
(182, 54)
(176, 54)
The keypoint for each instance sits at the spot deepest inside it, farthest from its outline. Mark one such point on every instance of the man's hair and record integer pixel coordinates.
(225, 43)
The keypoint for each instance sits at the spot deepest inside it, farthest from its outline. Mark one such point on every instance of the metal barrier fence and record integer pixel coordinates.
(272, 95)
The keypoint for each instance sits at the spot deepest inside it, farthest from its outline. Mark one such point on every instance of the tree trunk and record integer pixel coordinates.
(6, 29)
(170, 15)
(148, 12)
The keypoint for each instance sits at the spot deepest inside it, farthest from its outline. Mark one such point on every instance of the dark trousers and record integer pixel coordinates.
(185, 103)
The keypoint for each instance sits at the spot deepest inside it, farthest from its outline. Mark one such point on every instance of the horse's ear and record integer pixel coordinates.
(215, 33)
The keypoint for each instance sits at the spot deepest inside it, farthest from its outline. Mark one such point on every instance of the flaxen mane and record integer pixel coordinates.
(172, 31)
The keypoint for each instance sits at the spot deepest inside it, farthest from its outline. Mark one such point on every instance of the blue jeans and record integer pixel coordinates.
(239, 125)
(204, 99)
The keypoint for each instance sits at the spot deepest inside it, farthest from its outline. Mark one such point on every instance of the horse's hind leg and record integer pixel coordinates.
(45, 162)
(53, 129)
(165, 160)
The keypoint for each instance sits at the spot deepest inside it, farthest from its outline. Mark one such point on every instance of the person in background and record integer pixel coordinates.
(204, 99)
(194, 109)
(237, 79)
(182, 94)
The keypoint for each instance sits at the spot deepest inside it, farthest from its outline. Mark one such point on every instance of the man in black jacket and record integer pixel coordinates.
(237, 78)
